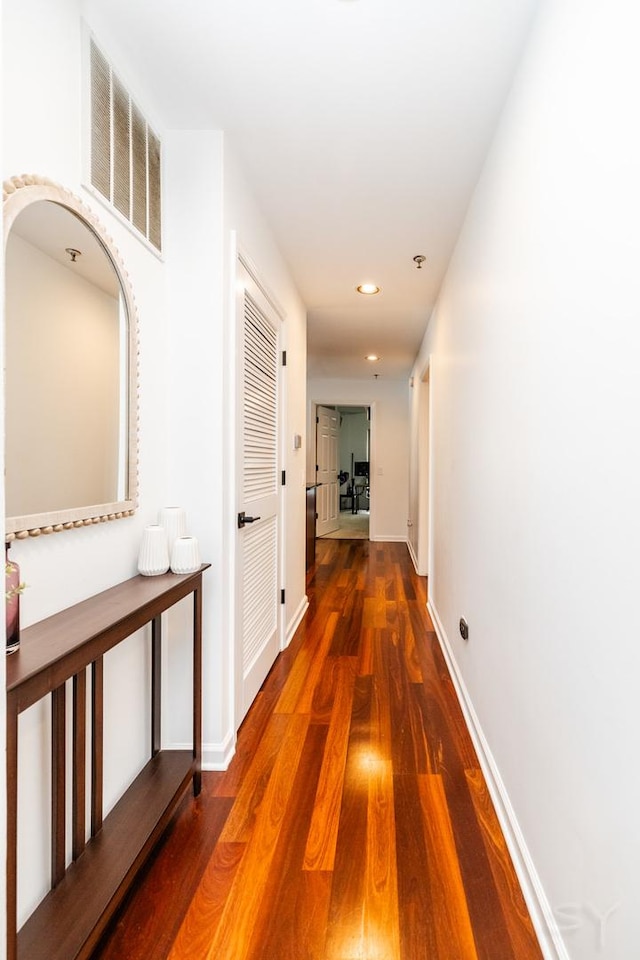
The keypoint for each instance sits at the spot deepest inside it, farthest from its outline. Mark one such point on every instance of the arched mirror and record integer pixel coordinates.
(70, 365)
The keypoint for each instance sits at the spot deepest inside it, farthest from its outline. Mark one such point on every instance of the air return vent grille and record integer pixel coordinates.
(125, 152)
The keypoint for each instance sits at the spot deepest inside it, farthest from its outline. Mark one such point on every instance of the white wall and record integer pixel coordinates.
(42, 134)
(213, 215)
(184, 312)
(389, 464)
(535, 394)
(249, 233)
(415, 449)
(419, 471)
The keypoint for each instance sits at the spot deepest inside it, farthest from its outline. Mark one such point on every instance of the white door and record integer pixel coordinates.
(327, 447)
(258, 552)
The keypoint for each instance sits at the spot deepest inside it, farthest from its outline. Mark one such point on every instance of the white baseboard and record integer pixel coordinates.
(542, 917)
(215, 756)
(296, 619)
(412, 554)
(218, 756)
(388, 538)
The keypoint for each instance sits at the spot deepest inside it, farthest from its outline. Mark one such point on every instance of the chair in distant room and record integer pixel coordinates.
(343, 476)
(360, 486)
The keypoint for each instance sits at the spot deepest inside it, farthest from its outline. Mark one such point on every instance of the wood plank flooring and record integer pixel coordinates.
(353, 822)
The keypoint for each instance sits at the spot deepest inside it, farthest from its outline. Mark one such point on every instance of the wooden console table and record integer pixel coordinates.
(84, 895)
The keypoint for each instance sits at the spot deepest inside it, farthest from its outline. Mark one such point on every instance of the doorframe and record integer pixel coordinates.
(240, 257)
(424, 456)
(371, 404)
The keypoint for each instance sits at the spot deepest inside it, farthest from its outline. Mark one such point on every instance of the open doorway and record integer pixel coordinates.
(350, 457)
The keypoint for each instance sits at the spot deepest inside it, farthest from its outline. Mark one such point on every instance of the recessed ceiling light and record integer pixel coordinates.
(368, 288)
(372, 357)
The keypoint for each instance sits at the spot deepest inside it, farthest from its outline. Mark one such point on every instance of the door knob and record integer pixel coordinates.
(242, 519)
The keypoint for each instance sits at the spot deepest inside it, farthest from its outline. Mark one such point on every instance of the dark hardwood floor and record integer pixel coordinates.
(353, 821)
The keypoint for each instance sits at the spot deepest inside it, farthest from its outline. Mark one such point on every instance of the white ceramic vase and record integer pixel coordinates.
(174, 521)
(185, 556)
(153, 558)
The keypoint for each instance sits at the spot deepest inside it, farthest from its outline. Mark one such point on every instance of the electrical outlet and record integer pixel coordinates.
(464, 629)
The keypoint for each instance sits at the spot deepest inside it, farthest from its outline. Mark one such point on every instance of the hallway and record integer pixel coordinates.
(353, 821)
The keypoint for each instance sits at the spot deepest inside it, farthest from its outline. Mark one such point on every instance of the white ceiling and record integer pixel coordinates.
(361, 126)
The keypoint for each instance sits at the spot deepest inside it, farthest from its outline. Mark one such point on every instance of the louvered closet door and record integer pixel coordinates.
(258, 548)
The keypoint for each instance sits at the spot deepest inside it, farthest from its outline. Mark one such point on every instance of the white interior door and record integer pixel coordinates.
(258, 553)
(327, 457)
